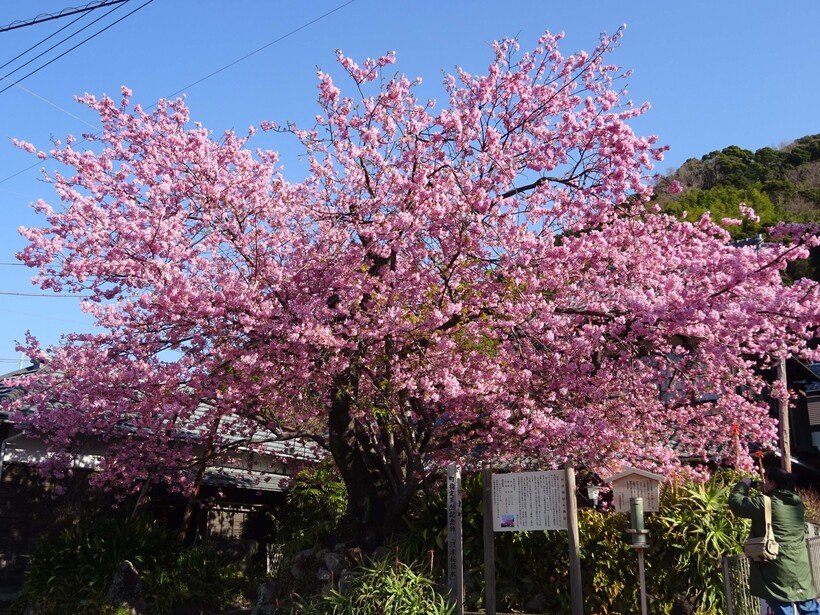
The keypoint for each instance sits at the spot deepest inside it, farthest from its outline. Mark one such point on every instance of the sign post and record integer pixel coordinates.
(529, 501)
(455, 555)
(537, 501)
(635, 483)
(576, 590)
(489, 542)
(638, 542)
(635, 491)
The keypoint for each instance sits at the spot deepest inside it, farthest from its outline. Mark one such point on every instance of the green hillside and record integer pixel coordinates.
(780, 184)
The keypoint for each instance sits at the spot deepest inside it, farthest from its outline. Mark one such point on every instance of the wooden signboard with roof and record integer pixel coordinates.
(635, 483)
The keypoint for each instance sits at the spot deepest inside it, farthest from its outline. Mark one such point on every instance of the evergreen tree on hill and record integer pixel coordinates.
(781, 185)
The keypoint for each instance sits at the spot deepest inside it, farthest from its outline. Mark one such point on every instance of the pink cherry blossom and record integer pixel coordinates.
(482, 280)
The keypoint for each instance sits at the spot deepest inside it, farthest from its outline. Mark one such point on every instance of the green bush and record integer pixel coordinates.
(197, 577)
(71, 573)
(387, 587)
(694, 530)
(314, 506)
(683, 563)
(609, 565)
(687, 539)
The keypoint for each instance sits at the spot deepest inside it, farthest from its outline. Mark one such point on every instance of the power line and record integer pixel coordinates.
(55, 105)
(284, 36)
(64, 13)
(57, 44)
(11, 294)
(52, 35)
(36, 70)
(263, 47)
(40, 316)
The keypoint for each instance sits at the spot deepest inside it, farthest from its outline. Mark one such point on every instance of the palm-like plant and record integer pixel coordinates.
(696, 529)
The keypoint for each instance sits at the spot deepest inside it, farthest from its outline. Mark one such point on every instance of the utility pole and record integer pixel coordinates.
(783, 420)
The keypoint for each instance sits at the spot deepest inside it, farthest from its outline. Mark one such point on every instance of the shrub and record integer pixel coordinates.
(811, 502)
(687, 539)
(694, 530)
(314, 506)
(387, 587)
(71, 572)
(196, 578)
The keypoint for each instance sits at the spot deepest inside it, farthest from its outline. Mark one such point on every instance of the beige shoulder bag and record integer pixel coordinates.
(764, 548)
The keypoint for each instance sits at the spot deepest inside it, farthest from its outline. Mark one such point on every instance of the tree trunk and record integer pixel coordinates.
(200, 475)
(376, 502)
(142, 497)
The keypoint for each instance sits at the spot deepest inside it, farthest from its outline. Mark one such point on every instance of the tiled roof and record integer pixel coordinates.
(262, 444)
(811, 385)
(8, 390)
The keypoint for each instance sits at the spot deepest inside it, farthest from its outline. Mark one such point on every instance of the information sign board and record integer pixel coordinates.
(635, 483)
(455, 557)
(529, 501)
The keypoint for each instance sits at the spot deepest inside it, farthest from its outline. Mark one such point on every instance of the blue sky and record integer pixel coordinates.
(716, 72)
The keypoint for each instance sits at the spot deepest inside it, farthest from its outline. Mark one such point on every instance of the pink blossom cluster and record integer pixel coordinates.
(480, 282)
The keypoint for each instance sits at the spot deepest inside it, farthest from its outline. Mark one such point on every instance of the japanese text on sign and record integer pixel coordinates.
(455, 567)
(637, 487)
(529, 501)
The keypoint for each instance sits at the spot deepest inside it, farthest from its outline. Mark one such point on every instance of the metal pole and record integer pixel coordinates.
(576, 590)
(642, 576)
(783, 420)
(489, 543)
(638, 542)
(727, 582)
(2, 460)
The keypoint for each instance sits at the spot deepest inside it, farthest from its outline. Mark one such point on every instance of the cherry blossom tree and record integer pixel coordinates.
(484, 280)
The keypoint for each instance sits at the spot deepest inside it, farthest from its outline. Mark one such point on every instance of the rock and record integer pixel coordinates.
(355, 554)
(266, 594)
(470, 584)
(536, 604)
(683, 605)
(334, 562)
(303, 565)
(323, 574)
(125, 591)
(237, 551)
(266, 601)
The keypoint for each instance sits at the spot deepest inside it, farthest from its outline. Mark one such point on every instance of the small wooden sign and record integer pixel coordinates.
(635, 483)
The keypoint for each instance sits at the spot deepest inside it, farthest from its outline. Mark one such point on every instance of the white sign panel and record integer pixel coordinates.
(529, 501)
(636, 486)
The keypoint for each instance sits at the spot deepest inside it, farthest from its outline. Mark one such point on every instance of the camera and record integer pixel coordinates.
(755, 485)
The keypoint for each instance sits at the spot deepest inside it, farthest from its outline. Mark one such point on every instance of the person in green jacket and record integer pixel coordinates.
(787, 579)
